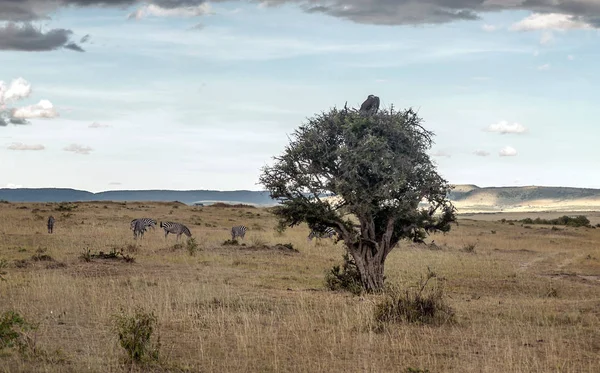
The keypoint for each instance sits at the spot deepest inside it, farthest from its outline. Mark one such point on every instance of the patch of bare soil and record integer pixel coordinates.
(587, 279)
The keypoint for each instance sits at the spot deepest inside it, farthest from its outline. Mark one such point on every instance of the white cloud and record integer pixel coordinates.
(544, 67)
(21, 146)
(98, 125)
(78, 149)
(182, 11)
(536, 53)
(508, 151)
(504, 127)
(18, 89)
(13, 186)
(441, 153)
(481, 153)
(570, 57)
(489, 28)
(43, 109)
(547, 37)
(550, 21)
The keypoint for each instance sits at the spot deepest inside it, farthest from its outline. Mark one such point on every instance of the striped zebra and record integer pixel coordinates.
(147, 222)
(327, 233)
(238, 231)
(50, 224)
(138, 229)
(175, 228)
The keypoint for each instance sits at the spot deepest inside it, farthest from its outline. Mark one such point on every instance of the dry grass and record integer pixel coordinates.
(526, 300)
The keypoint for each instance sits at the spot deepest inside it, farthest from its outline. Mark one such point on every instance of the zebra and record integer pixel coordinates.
(147, 222)
(238, 231)
(138, 229)
(175, 228)
(327, 233)
(50, 224)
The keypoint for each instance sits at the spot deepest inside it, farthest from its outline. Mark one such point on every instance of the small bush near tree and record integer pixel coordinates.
(135, 335)
(423, 305)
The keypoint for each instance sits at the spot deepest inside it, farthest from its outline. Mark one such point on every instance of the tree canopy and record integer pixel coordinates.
(343, 164)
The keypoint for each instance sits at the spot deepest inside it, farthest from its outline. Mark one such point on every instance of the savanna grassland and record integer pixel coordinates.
(526, 298)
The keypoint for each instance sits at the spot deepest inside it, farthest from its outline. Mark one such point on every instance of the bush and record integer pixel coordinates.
(135, 334)
(346, 278)
(415, 306)
(12, 328)
(192, 246)
(469, 248)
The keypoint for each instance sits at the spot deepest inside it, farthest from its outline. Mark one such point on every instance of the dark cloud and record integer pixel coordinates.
(19, 121)
(383, 12)
(74, 47)
(26, 37)
(85, 39)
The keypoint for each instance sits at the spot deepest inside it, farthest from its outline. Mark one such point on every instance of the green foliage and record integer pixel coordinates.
(135, 335)
(569, 221)
(191, 246)
(66, 207)
(12, 330)
(423, 305)
(346, 278)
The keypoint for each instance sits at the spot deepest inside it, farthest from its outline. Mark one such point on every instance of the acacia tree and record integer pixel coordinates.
(373, 169)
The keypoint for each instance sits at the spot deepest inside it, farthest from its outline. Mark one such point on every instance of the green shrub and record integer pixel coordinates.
(346, 278)
(135, 335)
(12, 328)
(191, 246)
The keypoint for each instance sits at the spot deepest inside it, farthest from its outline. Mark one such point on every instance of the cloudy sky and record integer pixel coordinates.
(189, 94)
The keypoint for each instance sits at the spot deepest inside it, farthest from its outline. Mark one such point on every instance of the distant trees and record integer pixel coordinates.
(377, 168)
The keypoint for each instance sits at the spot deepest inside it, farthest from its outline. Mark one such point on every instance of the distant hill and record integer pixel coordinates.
(186, 196)
(471, 198)
(466, 198)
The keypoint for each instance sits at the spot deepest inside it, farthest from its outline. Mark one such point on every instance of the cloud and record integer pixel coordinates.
(13, 186)
(21, 146)
(489, 28)
(78, 149)
(26, 37)
(544, 67)
(508, 151)
(481, 153)
(441, 153)
(570, 57)
(547, 38)
(17, 90)
(43, 109)
(503, 127)
(547, 13)
(173, 11)
(551, 21)
(98, 125)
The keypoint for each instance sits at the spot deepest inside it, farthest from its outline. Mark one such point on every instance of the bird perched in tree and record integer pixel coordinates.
(370, 106)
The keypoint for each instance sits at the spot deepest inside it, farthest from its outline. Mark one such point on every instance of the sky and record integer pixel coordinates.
(189, 94)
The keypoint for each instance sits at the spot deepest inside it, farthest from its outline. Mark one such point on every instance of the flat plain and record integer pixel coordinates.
(526, 297)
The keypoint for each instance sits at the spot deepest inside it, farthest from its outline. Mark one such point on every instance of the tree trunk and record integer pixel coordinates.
(370, 267)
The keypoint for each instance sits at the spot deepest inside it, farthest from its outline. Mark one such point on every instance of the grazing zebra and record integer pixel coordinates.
(147, 222)
(175, 228)
(238, 231)
(50, 224)
(138, 229)
(327, 233)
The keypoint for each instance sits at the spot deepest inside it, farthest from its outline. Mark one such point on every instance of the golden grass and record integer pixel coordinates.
(527, 300)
